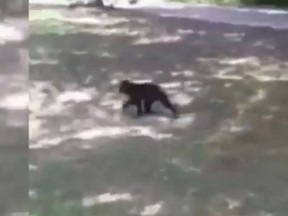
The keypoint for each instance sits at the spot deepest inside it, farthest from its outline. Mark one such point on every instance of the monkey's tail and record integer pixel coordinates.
(166, 102)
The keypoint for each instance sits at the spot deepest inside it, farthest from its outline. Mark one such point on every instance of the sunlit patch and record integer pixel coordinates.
(159, 72)
(106, 198)
(121, 131)
(88, 79)
(186, 73)
(162, 39)
(47, 142)
(53, 141)
(34, 128)
(201, 33)
(234, 127)
(32, 167)
(83, 20)
(110, 32)
(189, 31)
(185, 167)
(106, 55)
(268, 117)
(175, 74)
(265, 44)
(184, 121)
(114, 81)
(221, 202)
(262, 213)
(93, 133)
(152, 209)
(44, 14)
(185, 31)
(261, 94)
(228, 85)
(142, 80)
(55, 109)
(74, 96)
(228, 77)
(79, 52)
(183, 99)
(191, 15)
(207, 60)
(86, 146)
(43, 61)
(110, 132)
(9, 33)
(171, 85)
(232, 204)
(234, 36)
(238, 128)
(93, 20)
(267, 78)
(113, 104)
(192, 82)
(20, 214)
(32, 194)
(109, 101)
(17, 101)
(266, 11)
(100, 113)
(192, 89)
(239, 61)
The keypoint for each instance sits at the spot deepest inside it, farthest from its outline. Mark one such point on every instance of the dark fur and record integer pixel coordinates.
(144, 93)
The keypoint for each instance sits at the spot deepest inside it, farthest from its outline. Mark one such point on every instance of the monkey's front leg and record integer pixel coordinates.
(126, 104)
(139, 107)
(136, 103)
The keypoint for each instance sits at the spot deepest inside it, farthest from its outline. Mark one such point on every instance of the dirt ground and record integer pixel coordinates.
(13, 117)
(225, 155)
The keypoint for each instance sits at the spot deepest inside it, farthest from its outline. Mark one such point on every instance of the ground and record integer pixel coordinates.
(225, 155)
(13, 116)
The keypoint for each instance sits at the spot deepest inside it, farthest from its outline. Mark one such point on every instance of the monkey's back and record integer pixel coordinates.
(147, 90)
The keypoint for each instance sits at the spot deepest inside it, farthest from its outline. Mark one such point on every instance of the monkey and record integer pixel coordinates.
(143, 95)
(96, 3)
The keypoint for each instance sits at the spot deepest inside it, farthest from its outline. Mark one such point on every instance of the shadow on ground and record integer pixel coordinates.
(227, 154)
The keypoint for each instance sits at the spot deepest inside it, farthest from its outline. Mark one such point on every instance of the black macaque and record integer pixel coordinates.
(143, 95)
(96, 3)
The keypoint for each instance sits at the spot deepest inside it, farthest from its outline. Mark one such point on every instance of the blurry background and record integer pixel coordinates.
(14, 62)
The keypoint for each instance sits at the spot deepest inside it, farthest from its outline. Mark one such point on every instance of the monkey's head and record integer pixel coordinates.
(124, 86)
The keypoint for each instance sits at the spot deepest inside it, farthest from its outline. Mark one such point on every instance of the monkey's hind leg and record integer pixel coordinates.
(139, 104)
(147, 106)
